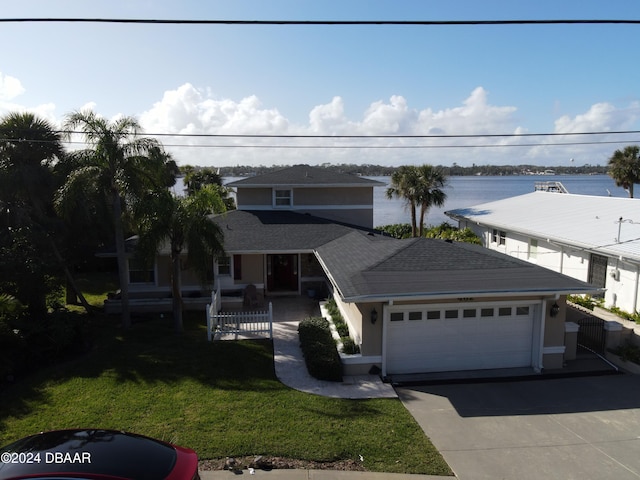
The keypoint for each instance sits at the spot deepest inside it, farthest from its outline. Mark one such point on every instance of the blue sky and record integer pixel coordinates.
(336, 80)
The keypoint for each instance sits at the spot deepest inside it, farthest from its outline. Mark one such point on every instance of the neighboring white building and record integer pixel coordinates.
(590, 238)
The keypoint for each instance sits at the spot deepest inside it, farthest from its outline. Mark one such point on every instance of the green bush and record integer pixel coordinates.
(349, 346)
(332, 307)
(628, 352)
(319, 349)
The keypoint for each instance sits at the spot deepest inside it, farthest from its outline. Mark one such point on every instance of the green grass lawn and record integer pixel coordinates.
(221, 399)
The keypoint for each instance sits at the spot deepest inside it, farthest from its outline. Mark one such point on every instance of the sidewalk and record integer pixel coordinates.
(316, 475)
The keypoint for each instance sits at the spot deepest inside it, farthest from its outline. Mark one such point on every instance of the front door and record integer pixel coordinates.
(282, 272)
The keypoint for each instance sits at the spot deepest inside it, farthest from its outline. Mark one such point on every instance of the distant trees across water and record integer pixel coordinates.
(453, 170)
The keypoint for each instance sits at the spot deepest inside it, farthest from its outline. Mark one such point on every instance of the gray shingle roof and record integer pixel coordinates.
(276, 231)
(584, 221)
(365, 267)
(304, 175)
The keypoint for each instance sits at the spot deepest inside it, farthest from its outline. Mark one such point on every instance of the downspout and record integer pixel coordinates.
(385, 314)
(561, 258)
(635, 289)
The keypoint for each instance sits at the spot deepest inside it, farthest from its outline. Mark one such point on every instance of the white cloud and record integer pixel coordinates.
(189, 110)
(10, 87)
(601, 117)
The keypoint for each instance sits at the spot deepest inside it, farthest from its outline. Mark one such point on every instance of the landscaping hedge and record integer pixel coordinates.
(319, 349)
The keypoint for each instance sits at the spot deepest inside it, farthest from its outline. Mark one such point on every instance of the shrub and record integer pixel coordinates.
(349, 346)
(332, 307)
(342, 328)
(319, 349)
(628, 352)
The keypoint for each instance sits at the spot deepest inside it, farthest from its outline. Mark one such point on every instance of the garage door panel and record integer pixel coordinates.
(460, 343)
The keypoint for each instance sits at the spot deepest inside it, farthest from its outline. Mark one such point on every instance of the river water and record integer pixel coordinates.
(469, 191)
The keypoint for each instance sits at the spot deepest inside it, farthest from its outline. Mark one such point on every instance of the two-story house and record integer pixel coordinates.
(413, 306)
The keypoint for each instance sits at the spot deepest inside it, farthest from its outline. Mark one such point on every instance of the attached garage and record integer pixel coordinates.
(424, 305)
(454, 337)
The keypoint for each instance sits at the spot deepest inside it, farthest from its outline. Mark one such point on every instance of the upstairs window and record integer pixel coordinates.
(498, 236)
(282, 198)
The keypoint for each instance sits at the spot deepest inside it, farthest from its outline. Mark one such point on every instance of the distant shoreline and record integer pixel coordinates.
(451, 171)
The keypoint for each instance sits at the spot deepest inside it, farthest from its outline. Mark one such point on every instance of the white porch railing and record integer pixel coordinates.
(220, 324)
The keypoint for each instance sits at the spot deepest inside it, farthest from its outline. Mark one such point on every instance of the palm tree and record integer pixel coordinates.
(183, 224)
(431, 180)
(420, 187)
(121, 167)
(29, 148)
(404, 184)
(195, 179)
(625, 167)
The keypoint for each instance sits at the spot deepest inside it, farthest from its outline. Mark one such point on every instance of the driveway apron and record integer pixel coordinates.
(572, 428)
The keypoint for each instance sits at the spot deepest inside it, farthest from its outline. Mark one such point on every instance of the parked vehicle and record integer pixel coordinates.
(96, 454)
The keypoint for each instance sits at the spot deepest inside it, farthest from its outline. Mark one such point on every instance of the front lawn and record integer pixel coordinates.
(221, 399)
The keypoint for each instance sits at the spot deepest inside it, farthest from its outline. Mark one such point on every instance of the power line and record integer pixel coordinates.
(67, 133)
(364, 136)
(322, 22)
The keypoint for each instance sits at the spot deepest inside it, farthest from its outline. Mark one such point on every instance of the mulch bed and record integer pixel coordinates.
(276, 463)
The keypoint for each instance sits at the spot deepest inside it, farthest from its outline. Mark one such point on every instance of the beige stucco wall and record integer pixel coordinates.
(252, 269)
(253, 196)
(333, 196)
(359, 315)
(554, 334)
(163, 272)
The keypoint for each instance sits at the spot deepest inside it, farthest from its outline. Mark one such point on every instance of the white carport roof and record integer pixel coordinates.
(583, 221)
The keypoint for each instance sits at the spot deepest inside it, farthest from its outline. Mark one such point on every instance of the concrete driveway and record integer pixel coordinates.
(572, 428)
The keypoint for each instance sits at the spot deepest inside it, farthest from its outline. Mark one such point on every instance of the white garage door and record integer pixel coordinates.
(460, 337)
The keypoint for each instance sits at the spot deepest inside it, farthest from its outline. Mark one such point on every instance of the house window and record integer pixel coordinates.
(397, 316)
(504, 311)
(224, 266)
(415, 315)
(494, 235)
(282, 198)
(486, 312)
(502, 237)
(533, 249)
(522, 310)
(139, 273)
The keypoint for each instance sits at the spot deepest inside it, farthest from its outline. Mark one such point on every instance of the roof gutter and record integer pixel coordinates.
(469, 294)
(540, 236)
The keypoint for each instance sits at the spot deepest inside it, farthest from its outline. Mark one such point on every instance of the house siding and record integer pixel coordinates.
(621, 287)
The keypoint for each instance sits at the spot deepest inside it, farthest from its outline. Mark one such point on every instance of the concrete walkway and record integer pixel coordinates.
(316, 475)
(289, 362)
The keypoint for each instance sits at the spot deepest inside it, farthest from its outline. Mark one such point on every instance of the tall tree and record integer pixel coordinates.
(419, 187)
(431, 181)
(404, 184)
(29, 147)
(120, 166)
(624, 168)
(182, 224)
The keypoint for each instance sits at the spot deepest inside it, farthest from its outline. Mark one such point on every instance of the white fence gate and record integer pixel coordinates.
(220, 324)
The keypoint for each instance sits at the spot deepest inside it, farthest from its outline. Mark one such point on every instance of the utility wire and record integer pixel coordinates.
(321, 22)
